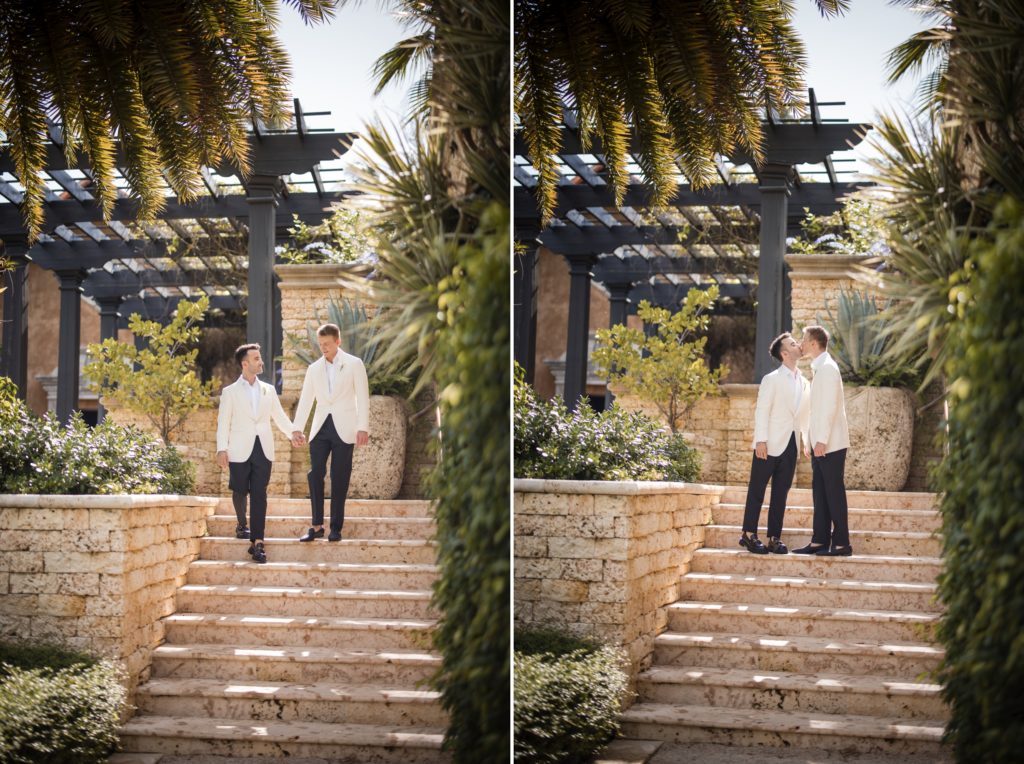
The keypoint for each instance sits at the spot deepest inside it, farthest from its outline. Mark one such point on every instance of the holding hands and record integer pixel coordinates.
(298, 439)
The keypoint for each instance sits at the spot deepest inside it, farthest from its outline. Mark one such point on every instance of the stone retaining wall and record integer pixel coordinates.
(96, 572)
(604, 559)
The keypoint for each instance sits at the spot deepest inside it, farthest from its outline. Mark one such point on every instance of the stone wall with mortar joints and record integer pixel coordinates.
(97, 573)
(605, 559)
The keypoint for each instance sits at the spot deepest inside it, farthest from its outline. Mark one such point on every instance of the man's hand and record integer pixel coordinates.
(819, 449)
(298, 438)
(362, 438)
(807, 452)
(761, 450)
(222, 459)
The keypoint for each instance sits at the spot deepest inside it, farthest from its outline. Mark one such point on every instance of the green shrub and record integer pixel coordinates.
(568, 695)
(554, 443)
(41, 656)
(982, 480)
(38, 455)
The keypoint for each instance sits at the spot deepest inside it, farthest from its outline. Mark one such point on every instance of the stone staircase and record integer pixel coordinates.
(320, 655)
(830, 653)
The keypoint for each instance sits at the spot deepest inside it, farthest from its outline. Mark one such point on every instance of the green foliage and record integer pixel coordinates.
(38, 455)
(982, 480)
(858, 342)
(668, 368)
(64, 712)
(857, 229)
(553, 443)
(347, 236)
(363, 337)
(568, 694)
(165, 387)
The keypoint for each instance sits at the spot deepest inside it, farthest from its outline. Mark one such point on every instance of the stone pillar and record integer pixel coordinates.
(262, 195)
(14, 353)
(775, 190)
(579, 327)
(817, 279)
(70, 339)
(109, 316)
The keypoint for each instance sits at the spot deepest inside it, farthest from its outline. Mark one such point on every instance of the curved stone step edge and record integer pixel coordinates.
(297, 654)
(867, 559)
(854, 533)
(301, 621)
(802, 611)
(301, 592)
(287, 691)
(842, 584)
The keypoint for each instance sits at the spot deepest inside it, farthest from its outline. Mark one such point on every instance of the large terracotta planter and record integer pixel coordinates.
(377, 468)
(881, 438)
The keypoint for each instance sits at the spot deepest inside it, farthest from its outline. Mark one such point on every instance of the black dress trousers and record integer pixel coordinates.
(326, 443)
(251, 478)
(779, 469)
(831, 524)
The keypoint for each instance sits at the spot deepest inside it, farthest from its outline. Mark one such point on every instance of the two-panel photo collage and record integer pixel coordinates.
(547, 381)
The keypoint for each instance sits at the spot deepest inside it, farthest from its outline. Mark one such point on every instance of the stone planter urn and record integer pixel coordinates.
(377, 468)
(881, 437)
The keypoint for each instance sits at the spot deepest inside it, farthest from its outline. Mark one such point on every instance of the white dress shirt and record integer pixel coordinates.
(333, 367)
(254, 392)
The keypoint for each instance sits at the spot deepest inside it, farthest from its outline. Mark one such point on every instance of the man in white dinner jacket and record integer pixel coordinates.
(783, 405)
(337, 383)
(830, 435)
(245, 443)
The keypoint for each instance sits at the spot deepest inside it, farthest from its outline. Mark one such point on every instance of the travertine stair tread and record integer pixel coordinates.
(803, 611)
(865, 559)
(812, 583)
(331, 567)
(798, 644)
(855, 498)
(237, 590)
(320, 622)
(298, 654)
(284, 732)
(787, 680)
(360, 693)
(288, 541)
(854, 533)
(785, 721)
(808, 506)
(422, 521)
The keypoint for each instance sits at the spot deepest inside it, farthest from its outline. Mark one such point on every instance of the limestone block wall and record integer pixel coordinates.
(96, 572)
(604, 559)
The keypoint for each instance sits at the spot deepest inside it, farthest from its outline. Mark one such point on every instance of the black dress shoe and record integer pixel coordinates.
(312, 534)
(334, 536)
(753, 544)
(775, 546)
(812, 549)
(839, 551)
(241, 532)
(257, 553)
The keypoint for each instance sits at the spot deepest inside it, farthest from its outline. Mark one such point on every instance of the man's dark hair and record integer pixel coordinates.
(243, 351)
(776, 347)
(331, 330)
(819, 334)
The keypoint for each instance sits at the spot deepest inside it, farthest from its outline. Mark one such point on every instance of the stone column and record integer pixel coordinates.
(579, 327)
(70, 338)
(775, 190)
(14, 353)
(262, 194)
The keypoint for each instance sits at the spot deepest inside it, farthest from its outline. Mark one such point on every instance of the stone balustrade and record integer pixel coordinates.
(96, 573)
(604, 559)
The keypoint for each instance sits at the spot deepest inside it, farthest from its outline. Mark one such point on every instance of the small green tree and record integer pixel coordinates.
(160, 381)
(667, 368)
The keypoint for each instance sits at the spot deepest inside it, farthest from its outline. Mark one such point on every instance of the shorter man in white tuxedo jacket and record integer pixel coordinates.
(245, 443)
(830, 434)
(783, 403)
(337, 383)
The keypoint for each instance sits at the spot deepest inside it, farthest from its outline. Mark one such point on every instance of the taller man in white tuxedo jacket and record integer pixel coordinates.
(245, 443)
(830, 436)
(337, 383)
(783, 404)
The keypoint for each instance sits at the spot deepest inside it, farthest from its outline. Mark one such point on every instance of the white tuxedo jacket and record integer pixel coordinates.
(237, 427)
(348, 403)
(777, 415)
(828, 407)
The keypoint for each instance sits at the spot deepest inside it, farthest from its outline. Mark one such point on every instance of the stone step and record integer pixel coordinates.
(346, 550)
(332, 703)
(632, 751)
(859, 499)
(283, 526)
(339, 575)
(802, 516)
(858, 567)
(824, 592)
(340, 743)
(303, 601)
(916, 660)
(353, 507)
(774, 728)
(785, 620)
(898, 543)
(241, 629)
(294, 664)
(828, 693)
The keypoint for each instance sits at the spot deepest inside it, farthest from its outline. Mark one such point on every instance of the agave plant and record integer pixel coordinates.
(360, 336)
(859, 342)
